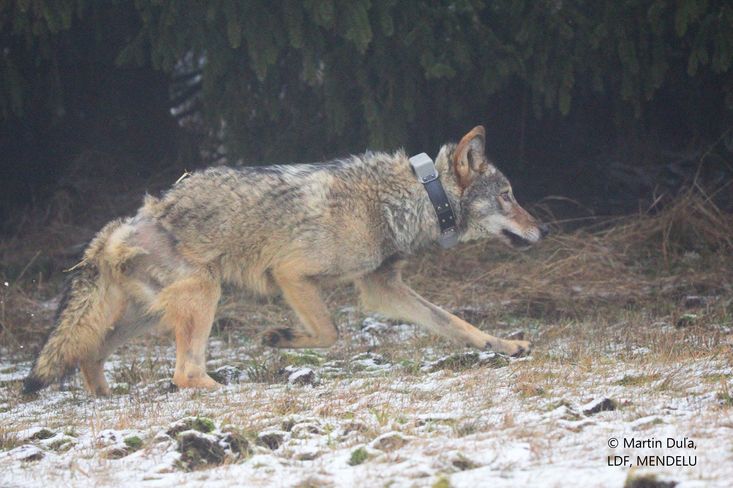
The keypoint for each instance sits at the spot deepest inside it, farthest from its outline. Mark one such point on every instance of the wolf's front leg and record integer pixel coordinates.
(384, 291)
(188, 308)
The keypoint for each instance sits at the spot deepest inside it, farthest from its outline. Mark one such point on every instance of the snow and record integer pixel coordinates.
(375, 332)
(470, 424)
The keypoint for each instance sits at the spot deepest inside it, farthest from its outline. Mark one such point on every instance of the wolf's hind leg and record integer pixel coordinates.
(133, 323)
(304, 298)
(93, 371)
(384, 291)
(188, 307)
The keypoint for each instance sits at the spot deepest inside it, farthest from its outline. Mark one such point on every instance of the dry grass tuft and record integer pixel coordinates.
(657, 256)
(9, 440)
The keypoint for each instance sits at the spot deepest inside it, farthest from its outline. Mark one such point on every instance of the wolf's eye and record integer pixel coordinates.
(506, 197)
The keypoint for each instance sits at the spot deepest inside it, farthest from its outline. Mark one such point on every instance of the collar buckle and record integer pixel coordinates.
(424, 168)
(448, 238)
(428, 175)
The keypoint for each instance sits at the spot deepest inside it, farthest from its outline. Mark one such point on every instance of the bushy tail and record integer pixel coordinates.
(62, 351)
(81, 319)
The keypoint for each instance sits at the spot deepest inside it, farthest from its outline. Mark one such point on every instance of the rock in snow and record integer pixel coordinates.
(391, 441)
(26, 453)
(301, 376)
(272, 439)
(600, 405)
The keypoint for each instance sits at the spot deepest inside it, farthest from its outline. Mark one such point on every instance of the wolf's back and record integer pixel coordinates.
(79, 323)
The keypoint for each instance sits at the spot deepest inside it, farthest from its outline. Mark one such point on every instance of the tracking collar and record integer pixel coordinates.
(427, 173)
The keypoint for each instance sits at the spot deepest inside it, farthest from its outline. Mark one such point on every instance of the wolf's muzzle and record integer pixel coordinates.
(544, 230)
(516, 240)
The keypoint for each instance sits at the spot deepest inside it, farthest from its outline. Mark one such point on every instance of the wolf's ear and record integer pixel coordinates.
(469, 159)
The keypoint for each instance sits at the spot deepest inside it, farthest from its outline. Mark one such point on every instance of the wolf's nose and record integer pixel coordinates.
(544, 230)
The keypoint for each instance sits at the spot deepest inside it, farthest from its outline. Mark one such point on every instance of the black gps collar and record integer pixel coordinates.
(427, 173)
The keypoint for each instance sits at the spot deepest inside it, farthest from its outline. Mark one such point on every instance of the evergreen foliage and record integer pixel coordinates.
(297, 79)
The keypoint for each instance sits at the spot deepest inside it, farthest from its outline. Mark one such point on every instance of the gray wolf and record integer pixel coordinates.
(275, 229)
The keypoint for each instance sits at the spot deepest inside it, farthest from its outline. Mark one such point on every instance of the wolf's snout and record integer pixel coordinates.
(544, 230)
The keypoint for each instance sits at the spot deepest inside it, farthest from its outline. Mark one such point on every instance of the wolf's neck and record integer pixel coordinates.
(409, 213)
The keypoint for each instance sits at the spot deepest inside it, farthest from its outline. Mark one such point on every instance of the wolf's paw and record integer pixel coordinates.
(518, 349)
(101, 390)
(514, 349)
(197, 381)
(277, 337)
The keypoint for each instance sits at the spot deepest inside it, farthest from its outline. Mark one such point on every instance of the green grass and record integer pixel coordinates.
(133, 442)
(358, 456)
(637, 380)
(725, 396)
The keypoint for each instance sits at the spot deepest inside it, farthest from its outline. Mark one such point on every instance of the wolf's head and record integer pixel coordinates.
(488, 206)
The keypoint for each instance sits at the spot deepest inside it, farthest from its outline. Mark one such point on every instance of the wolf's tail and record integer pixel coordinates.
(82, 318)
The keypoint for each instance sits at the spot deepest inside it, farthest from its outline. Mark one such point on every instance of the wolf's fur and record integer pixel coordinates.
(275, 229)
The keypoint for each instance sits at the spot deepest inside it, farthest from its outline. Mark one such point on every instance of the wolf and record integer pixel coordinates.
(280, 229)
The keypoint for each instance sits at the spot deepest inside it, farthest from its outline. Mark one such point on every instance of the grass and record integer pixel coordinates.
(442, 482)
(358, 456)
(725, 396)
(43, 434)
(637, 380)
(646, 481)
(9, 440)
(488, 401)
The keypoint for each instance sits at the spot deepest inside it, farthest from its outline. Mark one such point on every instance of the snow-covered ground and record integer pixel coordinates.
(388, 406)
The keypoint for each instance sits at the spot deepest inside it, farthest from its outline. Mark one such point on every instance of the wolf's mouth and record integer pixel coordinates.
(515, 239)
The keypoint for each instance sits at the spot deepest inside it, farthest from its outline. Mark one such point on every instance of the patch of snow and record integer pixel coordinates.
(471, 426)
(24, 453)
(375, 332)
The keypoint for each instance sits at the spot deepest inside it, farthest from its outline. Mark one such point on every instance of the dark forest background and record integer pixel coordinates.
(610, 103)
